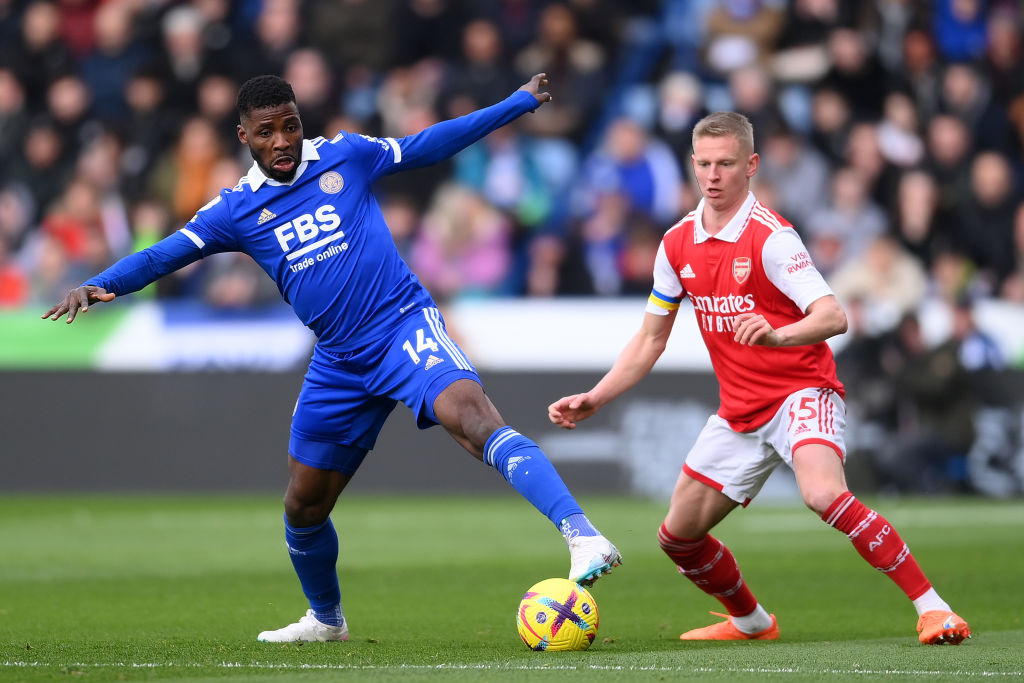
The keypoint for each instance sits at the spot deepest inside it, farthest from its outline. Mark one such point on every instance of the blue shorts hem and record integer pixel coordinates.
(324, 455)
(425, 417)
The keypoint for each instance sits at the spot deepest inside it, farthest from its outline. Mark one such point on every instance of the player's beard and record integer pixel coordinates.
(274, 174)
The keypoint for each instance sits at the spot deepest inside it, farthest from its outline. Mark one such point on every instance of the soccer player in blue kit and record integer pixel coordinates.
(306, 214)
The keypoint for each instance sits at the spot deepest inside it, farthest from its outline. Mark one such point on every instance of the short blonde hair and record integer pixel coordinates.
(726, 124)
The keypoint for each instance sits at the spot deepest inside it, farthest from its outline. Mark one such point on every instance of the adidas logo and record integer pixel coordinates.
(432, 361)
(686, 273)
(515, 461)
(801, 428)
(266, 215)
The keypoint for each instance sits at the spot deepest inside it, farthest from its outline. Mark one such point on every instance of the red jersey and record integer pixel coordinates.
(758, 264)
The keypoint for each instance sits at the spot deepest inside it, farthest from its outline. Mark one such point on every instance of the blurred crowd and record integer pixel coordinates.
(891, 134)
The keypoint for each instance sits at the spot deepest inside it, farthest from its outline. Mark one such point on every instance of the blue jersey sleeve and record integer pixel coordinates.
(200, 237)
(441, 140)
(134, 272)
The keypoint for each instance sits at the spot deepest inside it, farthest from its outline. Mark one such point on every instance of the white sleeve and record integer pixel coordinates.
(788, 265)
(668, 291)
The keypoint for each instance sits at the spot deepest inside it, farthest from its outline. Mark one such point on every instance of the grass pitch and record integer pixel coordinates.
(128, 588)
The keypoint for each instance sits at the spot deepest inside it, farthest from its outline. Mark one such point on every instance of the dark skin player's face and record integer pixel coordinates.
(274, 137)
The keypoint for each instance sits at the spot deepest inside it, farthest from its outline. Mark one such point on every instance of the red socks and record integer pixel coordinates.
(877, 542)
(711, 566)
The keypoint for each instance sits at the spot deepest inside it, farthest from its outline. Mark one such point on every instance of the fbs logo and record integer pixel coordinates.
(266, 215)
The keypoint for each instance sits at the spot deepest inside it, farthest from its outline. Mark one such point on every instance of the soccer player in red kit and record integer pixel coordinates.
(764, 312)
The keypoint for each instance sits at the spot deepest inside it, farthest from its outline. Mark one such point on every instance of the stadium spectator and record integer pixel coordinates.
(935, 402)
(831, 120)
(965, 95)
(856, 72)
(898, 138)
(740, 33)
(38, 55)
(182, 177)
(850, 216)
(116, 55)
(379, 331)
(578, 71)
(797, 171)
(278, 33)
(960, 28)
(14, 117)
(919, 224)
(680, 105)
(315, 92)
(635, 166)
(795, 416)
(1003, 64)
(921, 72)
(353, 34)
(481, 73)
(149, 128)
(949, 147)
(184, 57)
(888, 281)
(463, 246)
(42, 166)
(985, 220)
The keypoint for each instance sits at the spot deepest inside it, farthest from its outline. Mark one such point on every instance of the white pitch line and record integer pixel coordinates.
(523, 667)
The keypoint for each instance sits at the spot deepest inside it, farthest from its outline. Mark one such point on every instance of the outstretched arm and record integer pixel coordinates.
(130, 274)
(445, 139)
(632, 365)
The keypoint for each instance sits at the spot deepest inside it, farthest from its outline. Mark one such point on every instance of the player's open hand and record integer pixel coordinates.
(78, 299)
(753, 330)
(534, 85)
(568, 410)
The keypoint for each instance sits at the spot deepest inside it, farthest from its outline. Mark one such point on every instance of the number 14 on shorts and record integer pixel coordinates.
(423, 343)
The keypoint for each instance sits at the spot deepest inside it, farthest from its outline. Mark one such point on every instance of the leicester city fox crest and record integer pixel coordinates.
(331, 182)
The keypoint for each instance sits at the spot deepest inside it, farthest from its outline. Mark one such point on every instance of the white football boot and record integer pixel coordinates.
(308, 629)
(591, 557)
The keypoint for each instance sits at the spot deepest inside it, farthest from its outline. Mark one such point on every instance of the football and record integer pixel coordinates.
(557, 614)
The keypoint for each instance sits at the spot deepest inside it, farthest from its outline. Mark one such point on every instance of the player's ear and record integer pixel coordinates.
(242, 137)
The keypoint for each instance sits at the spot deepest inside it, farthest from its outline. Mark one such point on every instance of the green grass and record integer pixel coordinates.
(128, 588)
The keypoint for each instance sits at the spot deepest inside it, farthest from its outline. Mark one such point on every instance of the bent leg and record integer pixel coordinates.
(473, 421)
(819, 474)
(469, 416)
(684, 536)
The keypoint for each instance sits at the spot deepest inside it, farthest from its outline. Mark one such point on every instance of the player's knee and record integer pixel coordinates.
(302, 513)
(819, 499)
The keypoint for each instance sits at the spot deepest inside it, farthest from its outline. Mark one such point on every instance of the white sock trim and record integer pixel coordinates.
(755, 622)
(931, 601)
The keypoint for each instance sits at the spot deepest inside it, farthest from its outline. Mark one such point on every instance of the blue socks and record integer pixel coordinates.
(577, 525)
(314, 554)
(528, 470)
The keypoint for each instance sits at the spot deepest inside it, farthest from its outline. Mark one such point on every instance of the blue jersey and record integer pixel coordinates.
(321, 237)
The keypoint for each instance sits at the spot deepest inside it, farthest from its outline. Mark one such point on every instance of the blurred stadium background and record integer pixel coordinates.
(891, 134)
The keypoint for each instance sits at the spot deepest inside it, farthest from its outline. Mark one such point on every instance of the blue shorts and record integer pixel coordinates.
(345, 398)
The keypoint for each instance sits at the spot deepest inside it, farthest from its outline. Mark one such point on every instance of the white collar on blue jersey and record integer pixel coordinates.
(257, 178)
(732, 230)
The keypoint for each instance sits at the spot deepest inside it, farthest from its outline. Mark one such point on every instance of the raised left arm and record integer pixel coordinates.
(447, 138)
